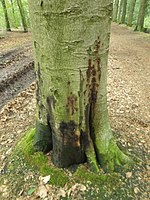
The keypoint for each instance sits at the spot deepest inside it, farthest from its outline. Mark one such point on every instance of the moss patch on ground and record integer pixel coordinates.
(41, 162)
(100, 184)
(38, 160)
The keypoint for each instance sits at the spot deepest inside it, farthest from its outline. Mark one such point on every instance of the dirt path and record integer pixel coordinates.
(129, 110)
(16, 66)
(129, 85)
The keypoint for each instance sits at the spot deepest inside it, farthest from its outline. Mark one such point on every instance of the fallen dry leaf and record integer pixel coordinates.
(45, 179)
(42, 191)
(136, 190)
(128, 174)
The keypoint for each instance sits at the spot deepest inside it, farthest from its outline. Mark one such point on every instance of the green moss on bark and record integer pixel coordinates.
(43, 137)
(38, 160)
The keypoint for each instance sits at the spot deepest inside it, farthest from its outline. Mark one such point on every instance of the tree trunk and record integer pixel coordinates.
(141, 15)
(120, 10)
(131, 11)
(6, 15)
(124, 8)
(71, 43)
(115, 10)
(23, 17)
(13, 11)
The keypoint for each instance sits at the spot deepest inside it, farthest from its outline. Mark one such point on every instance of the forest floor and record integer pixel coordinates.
(129, 111)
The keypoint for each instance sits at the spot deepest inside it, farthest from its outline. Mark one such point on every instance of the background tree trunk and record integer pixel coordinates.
(131, 11)
(13, 11)
(6, 15)
(124, 8)
(71, 43)
(141, 15)
(120, 10)
(23, 17)
(115, 10)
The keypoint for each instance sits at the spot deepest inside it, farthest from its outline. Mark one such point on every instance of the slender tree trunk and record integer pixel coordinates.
(141, 15)
(6, 15)
(115, 11)
(13, 11)
(124, 8)
(23, 16)
(131, 11)
(71, 43)
(120, 10)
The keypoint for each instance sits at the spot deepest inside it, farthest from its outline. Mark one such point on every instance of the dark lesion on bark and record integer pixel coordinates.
(71, 104)
(69, 133)
(43, 137)
(68, 149)
(93, 75)
(42, 3)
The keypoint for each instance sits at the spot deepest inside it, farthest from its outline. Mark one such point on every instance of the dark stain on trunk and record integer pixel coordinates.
(69, 152)
(93, 75)
(41, 3)
(35, 44)
(50, 106)
(68, 131)
(71, 104)
(38, 89)
(81, 95)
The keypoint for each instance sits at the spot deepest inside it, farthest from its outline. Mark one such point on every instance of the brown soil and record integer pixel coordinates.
(128, 103)
(16, 65)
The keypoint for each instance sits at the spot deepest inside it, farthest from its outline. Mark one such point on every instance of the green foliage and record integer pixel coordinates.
(147, 22)
(14, 16)
(31, 191)
(135, 14)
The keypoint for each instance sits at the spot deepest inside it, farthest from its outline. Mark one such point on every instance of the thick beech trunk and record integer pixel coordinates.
(141, 15)
(71, 43)
(124, 8)
(115, 10)
(131, 11)
(6, 15)
(23, 16)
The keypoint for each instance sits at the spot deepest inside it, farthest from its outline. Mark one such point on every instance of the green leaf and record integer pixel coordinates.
(31, 191)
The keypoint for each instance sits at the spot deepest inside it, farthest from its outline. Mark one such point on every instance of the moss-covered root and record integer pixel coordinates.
(91, 159)
(43, 138)
(111, 157)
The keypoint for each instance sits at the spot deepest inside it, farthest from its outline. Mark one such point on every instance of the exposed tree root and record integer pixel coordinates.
(111, 157)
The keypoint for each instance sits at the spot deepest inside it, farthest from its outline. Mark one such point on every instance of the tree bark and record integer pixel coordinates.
(131, 11)
(124, 8)
(23, 16)
(6, 15)
(71, 43)
(120, 10)
(141, 15)
(13, 11)
(115, 10)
